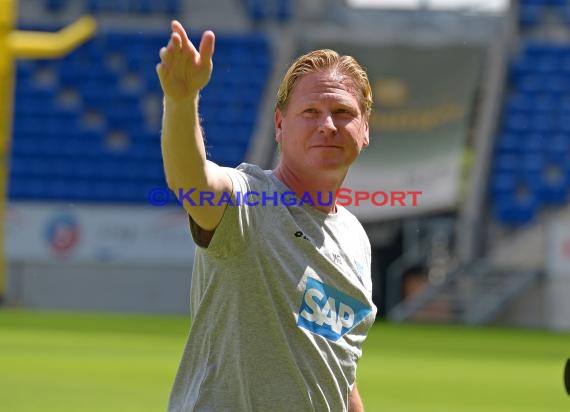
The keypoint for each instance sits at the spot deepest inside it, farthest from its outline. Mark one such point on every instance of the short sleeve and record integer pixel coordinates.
(243, 214)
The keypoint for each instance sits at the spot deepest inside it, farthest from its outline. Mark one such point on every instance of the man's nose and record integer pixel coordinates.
(327, 124)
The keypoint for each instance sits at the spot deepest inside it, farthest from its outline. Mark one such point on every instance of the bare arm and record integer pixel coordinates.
(183, 72)
(354, 401)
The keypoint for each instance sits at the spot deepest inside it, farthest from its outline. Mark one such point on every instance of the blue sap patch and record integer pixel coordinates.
(328, 312)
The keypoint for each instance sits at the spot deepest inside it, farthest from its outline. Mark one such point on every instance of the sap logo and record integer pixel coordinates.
(328, 312)
(359, 267)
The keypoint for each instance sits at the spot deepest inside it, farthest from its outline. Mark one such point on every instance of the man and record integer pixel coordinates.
(281, 294)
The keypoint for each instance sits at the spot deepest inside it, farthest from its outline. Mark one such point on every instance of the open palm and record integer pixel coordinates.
(183, 70)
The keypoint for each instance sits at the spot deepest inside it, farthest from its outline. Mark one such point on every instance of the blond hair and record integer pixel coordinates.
(326, 60)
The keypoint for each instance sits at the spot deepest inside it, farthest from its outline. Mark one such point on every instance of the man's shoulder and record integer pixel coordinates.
(349, 219)
(348, 216)
(248, 177)
(249, 171)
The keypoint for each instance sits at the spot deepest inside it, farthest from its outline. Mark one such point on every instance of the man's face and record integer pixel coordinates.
(323, 128)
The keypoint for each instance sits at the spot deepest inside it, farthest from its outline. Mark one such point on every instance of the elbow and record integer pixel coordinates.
(171, 185)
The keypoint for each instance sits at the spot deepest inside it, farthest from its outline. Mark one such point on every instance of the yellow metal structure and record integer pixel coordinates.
(16, 44)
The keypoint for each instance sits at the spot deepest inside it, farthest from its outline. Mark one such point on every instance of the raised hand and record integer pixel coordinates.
(183, 70)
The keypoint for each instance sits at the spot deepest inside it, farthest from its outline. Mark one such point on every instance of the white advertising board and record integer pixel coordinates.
(48, 232)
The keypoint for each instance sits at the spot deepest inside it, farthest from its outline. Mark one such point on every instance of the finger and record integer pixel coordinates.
(162, 53)
(161, 70)
(186, 43)
(175, 40)
(165, 55)
(207, 45)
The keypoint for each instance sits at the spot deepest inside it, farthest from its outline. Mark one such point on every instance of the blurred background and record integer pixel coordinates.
(472, 108)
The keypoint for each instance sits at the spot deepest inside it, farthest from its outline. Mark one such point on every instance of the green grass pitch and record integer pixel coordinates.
(84, 362)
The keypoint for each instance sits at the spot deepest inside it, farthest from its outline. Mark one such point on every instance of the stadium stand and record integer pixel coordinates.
(87, 126)
(531, 169)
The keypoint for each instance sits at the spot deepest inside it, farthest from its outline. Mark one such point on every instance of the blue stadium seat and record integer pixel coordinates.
(547, 65)
(515, 211)
(503, 183)
(146, 6)
(558, 149)
(536, 48)
(172, 6)
(284, 10)
(530, 172)
(518, 103)
(564, 105)
(564, 123)
(15, 189)
(508, 143)
(24, 71)
(55, 5)
(555, 3)
(34, 189)
(545, 104)
(532, 144)
(554, 189)
(258, 10)
(517, 123)
(544, 123)
(532, 83)
(530, 15)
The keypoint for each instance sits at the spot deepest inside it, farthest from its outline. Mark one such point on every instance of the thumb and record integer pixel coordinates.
(207, 45)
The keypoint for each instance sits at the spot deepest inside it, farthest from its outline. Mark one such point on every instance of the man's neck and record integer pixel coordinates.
(321, 187)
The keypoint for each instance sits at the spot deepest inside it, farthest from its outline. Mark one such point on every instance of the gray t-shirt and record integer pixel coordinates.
(281, 303)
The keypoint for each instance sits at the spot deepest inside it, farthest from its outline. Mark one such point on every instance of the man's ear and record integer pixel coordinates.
(366, 136)
(278, 120)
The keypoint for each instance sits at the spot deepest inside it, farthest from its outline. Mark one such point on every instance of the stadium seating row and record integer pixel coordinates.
(536, 103)
(171, 7)
(77, 190)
